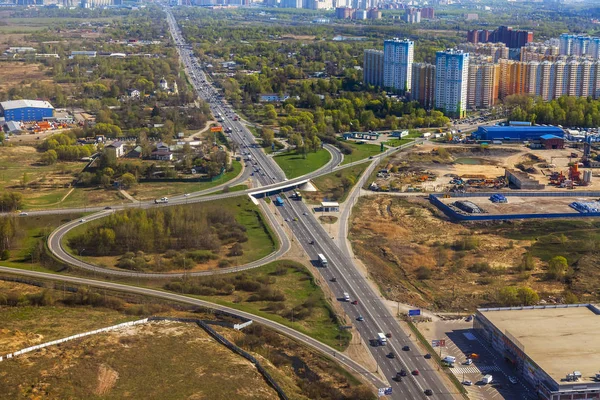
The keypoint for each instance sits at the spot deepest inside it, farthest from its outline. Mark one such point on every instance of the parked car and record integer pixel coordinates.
(467, 383)
(513, 380)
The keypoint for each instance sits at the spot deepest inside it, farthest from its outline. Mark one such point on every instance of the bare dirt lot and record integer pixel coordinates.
(19, 73)
(524, 205)
(417, 256)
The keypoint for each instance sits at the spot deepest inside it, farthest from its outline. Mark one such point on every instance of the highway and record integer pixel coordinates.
(314, 239)
(307, 340)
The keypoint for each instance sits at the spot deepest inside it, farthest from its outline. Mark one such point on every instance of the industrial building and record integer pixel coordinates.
(552, 142)
(521, 180)
(26, 110)
(516, 133)
(552, 347)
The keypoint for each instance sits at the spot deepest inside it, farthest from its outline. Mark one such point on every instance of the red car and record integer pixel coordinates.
(355, 302)
(415, 372)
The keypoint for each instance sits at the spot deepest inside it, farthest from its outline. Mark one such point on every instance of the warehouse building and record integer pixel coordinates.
(552, 347)
(26, 110)
(552, 142)
(522, 180)
(516, 133)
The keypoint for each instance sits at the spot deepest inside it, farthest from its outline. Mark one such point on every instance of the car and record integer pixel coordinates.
(360, 318)
(388, 335)
(108, 208)
(304, 213)
(82, 220)
(391, 355)
(428, 392)
(286, 220)
(469, 318)
(397, 378)
(469, 361)
(415, 372)
(402, 372)
(428, 356)
(23, 214)
(186, 195)
(406, 348)
(355, 302)
(513, 380)
(313, 242)
(334, 279)
(467, 383)
(295, 219)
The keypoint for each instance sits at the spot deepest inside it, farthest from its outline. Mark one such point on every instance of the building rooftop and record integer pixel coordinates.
(559, 339)
(115, 144)
(330, 204)
(12, 104)
(549, 136)
(492, 128)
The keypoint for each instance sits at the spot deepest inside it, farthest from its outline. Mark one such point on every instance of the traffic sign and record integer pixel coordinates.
(435, 343)
(414, 313)
(442, 342)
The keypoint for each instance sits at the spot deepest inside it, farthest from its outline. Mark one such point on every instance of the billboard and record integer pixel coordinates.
(414, 313)
(216, 128)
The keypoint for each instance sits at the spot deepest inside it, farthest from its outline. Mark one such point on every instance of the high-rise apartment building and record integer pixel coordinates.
(483, 84)
(504, 34)
(539, 52)
(412, 15)
(373, 67)
(423, 84)
(574, 45)
(397, 64)
(495, 50)
(427, 13)
(451, 82)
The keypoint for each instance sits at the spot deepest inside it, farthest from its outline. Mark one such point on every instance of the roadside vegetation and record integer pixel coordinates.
(419, 257)
(360, 151)
(185, 238)
(283, 291)
(296, 164)
(335, 186)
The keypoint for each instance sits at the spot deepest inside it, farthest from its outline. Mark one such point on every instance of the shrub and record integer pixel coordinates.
(5, 255)
(423, 273)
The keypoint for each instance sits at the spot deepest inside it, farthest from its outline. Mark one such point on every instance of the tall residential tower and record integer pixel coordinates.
(397, 64)
(451, 81)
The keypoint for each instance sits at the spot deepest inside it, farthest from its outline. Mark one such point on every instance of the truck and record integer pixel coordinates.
(381, 339)
(279, 201)
(487, 379)
(297, 195)
(162, 200)
(322, 260)
(346, 296)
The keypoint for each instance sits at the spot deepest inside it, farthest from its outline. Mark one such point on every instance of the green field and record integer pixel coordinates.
(298, 287)
(397, 142)
(153, 190)
(295, 165)
(361, 151)
(335, 186)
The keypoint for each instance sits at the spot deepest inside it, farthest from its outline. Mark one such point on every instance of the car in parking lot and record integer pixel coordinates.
(467, 383)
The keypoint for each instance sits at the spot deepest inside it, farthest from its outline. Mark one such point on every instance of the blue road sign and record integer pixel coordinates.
(414, 313)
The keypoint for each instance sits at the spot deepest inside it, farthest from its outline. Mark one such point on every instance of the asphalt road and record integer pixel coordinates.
(307, 340)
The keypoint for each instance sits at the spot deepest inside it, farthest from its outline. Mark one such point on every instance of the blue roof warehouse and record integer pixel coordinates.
(516, 133)
(26, 110)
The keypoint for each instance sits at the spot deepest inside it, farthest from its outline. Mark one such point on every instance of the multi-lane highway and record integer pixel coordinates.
(315, 240)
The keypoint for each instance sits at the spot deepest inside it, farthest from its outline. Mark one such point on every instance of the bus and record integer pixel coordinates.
(278, 201)
(322, 260)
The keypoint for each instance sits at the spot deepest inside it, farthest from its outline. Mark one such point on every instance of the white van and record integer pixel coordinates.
(381, 338)
(346, 297)
(487, 379)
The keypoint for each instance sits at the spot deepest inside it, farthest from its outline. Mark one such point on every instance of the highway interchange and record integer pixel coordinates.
(310, 235)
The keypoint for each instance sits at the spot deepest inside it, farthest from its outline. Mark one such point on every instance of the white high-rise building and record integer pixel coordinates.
(397, 64)
(573, 45)
(451, 82)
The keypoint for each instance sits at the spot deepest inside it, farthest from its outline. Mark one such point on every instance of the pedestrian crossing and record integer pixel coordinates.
(472, 369)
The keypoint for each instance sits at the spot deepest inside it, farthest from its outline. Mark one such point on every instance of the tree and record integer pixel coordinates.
(527, 264)
(557, 267)
(527, 296)
(128, 180)
(268, 136)
(49, 157)
(508, 296)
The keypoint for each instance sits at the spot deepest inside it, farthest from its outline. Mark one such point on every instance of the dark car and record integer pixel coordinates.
(415, 372)
(428, 392)
(388, 335)
(428, 356)
(391, 355)
(406, 348)
(469, 318)
(402, 372)
(334, 279)
(397, 378)
(355, 302)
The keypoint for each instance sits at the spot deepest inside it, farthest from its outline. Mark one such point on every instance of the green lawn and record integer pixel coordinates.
(360, 151)
(397, 142)
(294, 164)
(298, 286)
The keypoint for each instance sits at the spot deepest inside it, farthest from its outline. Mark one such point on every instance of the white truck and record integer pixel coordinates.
(487, 379)
(381, 339)
(346, 296)
(162, 200)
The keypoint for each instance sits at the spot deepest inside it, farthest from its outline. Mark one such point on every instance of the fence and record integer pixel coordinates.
(79, 335)
(231, 347)
(434, 198)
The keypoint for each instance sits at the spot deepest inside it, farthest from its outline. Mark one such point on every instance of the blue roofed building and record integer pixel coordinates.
(26, 110)
(516, 133)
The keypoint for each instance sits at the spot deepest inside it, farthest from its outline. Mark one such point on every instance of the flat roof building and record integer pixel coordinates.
(26, 110)
(516, 133)
(553, 347)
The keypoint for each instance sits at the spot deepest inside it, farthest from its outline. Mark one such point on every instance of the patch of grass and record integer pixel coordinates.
(153, 190)
(360, 151)
(336, 185)
(291, 280)
(294, 164)
(397, 142)
(236, 188)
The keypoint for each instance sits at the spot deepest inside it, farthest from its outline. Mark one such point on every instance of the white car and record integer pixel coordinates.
(82, 220)
(469, 361)
(186, 195)
(23, 214)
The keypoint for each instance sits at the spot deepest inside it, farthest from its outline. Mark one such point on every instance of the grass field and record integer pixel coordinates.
(336, 185)
(360, 151)
(153, 190)
(294, 164)
(298, 287)
(396, 142)
(261, 240)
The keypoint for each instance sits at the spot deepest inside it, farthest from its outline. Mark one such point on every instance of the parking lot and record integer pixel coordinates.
(461, 342)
